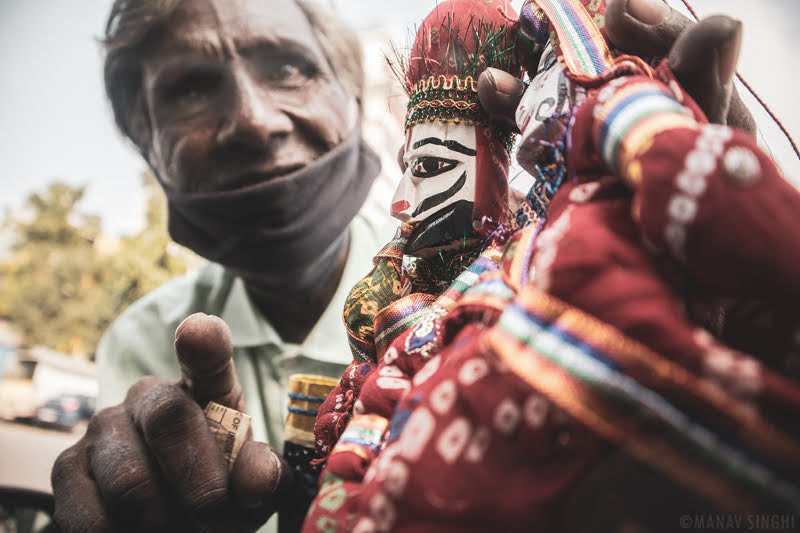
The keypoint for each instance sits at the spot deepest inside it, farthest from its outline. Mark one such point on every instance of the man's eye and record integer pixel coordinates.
(428, 167)
(192, 89)
(289, 72)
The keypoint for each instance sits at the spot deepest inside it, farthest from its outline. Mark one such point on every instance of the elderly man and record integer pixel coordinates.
(248, 114)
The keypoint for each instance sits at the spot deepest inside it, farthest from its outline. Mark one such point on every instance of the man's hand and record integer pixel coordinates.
(702, 56)
(151, 463)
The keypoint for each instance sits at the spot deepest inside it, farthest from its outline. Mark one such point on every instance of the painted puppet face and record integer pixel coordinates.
(549, 94)
(546, 94)
(439, 164)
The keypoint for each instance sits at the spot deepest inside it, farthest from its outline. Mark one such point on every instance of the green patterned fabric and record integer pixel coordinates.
(382, 286)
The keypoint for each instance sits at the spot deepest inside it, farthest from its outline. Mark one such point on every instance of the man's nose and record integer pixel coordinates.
(253, 118)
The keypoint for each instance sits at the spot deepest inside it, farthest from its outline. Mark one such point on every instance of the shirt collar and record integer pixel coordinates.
(328, 339)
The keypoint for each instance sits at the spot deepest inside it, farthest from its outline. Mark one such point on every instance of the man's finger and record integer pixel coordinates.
(176, 434)
(261, 481)
(645, 28)
(205, 349)
(499, 93)
(79, 506)
(704, 60)
(125, 474)
(649, 29)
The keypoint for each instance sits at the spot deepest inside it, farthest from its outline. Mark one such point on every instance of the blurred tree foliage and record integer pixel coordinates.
(64, 282)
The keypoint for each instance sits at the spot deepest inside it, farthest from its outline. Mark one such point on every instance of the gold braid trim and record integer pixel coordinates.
(444, 82)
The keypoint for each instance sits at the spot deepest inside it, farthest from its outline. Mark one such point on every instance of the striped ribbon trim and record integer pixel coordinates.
(491, 292)
(519, 266)
(583, 48)
(639, 138)
(397, 317)
(630, 116)
(586, 382)
(361, 349)
(405, 313)
(589, 408)
(465, 280)
(363, 431)
(492, 285)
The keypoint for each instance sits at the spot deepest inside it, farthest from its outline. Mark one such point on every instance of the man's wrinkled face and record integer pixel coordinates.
(439, 162)
(238, 93)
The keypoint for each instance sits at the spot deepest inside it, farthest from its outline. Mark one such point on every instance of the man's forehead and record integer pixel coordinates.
(201, 24)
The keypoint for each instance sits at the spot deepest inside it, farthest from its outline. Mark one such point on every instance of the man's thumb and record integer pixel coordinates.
(646, 28)
(205, 354)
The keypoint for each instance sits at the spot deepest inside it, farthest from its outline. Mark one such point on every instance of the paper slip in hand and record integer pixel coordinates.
(229, 427)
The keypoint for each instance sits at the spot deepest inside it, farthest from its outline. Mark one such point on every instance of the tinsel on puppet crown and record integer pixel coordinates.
(457, 41)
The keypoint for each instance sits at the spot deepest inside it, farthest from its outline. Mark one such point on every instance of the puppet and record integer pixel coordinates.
(451, 199)
(574, 339)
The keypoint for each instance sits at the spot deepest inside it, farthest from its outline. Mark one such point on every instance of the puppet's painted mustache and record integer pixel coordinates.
(448, 228)
(432, 201)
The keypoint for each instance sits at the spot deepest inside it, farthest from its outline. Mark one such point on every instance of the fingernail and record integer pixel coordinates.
(186, 320)
(649, 11)
(729, 55)
(505, 83)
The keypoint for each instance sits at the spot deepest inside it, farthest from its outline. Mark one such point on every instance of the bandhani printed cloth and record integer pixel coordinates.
(378, 389)
(668, 417)
(591, 336)
(529, 385)
(627, 247)
(511, 418)
(713, 210)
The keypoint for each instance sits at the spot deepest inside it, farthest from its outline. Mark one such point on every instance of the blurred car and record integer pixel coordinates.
(87, 406)
(63, 412)
(26, 511)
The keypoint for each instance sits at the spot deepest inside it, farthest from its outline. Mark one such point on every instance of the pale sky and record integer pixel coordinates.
(56, 123)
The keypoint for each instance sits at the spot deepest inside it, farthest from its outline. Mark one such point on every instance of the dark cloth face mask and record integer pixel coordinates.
(284, 233)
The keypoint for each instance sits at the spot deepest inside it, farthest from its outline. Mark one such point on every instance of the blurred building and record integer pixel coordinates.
(29, 377)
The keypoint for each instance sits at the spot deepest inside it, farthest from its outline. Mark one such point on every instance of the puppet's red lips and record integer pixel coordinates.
(399, 207)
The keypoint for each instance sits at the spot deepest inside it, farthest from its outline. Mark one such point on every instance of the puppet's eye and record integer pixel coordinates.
(428, 167)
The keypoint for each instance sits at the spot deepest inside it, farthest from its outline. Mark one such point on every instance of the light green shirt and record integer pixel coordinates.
(140, 341)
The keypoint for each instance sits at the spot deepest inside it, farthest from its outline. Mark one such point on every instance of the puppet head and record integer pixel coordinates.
(570, 56)
(456, 162)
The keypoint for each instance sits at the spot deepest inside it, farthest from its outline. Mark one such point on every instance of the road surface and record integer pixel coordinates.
(27, 454)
